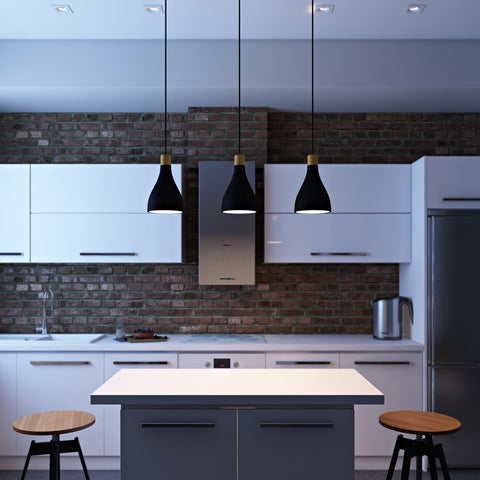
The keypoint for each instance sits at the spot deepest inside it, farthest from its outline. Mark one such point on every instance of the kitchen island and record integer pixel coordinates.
(225, 424)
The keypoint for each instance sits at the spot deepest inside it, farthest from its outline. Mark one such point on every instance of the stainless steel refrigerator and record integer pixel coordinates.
(454, 328)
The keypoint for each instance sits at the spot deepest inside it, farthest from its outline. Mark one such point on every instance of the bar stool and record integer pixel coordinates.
(423, 425)
(54, 423)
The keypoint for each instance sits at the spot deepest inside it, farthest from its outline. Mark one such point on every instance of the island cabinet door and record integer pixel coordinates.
(295, 444)
(115, 362)
(178, 444)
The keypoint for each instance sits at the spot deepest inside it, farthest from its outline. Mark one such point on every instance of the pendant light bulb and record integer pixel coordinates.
(165, 196)
(312, 196)
(239, 198)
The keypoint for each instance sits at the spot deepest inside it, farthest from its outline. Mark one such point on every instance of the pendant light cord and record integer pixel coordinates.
(313, 85)
(239, 79)
(165, 85)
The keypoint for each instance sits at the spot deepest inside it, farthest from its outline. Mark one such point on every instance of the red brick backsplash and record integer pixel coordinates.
(287, 298)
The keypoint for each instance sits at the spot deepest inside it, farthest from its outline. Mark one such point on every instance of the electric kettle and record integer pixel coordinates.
(388, 317)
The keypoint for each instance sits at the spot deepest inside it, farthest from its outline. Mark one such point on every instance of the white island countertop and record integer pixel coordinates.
(247, 387)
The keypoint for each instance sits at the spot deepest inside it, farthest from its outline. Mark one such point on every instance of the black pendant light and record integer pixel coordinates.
(165, 196)
(239, 197)
(312, 196)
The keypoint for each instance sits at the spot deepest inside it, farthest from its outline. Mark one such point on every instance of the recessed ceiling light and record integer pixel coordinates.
(64, 8)
(322, 8)
(154, 8)
(415, 8)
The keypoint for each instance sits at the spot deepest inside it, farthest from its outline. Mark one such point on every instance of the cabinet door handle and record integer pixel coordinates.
(461, 199)
(178, 425)
(46, 362)
(162, 362)
(301, 362)
(11, 254)
(108, 254)
(295, 425)
(339, 254)
(382, 363)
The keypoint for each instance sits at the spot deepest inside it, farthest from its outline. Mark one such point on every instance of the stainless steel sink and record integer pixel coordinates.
(70, 338)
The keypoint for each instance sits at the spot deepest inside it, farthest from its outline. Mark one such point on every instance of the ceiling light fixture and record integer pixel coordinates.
(312, 196)
(239, 197)
(165, 196)
(154, 8)
(416, 8)
(62, 8)
(324, 8)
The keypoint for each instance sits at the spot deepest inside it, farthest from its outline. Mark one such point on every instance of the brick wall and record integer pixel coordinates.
(330, 298)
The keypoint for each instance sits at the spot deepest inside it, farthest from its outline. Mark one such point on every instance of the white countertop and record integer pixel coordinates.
(219, 343)
(237, 387)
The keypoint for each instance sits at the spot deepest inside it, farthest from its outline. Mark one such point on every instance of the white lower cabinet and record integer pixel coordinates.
(399, 377)
(221, 360)
(8, 403)
(115, 362)
(61, 381)
(303, 360)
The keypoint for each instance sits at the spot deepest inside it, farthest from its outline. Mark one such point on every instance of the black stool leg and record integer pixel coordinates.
(393, 461)
(55, 458)
(82, 460)
(27, 461)
(443, 463)
(407, 457)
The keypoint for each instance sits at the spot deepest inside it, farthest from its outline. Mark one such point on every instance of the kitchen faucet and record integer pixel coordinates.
(46, 293)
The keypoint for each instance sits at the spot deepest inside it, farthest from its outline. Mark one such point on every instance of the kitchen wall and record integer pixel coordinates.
(308, 298)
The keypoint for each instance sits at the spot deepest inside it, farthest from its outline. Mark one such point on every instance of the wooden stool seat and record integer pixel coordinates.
(423, 425)
(54, 423)
(419, 423)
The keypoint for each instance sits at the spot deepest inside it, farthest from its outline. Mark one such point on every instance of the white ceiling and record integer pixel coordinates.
(371, 55)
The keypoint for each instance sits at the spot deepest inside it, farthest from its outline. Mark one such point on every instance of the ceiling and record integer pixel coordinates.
(107, 55)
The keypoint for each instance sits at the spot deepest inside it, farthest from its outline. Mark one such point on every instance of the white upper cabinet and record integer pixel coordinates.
(95, 188)
(370, 220)
(15, 213)
(337, 238)
(354, 188)
(452, 182)
(98, 213)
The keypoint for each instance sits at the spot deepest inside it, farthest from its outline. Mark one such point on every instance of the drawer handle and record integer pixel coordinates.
(295, 425)
(108, 254)
(11, 254)
(461, 199)
(162, 362)
(41, 362)
(178, 425)
(301, 362)
(382, 363)
(339, 254)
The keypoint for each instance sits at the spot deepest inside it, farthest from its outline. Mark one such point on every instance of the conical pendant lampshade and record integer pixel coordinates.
(312, 196)
(239, 197)
(165, 196)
